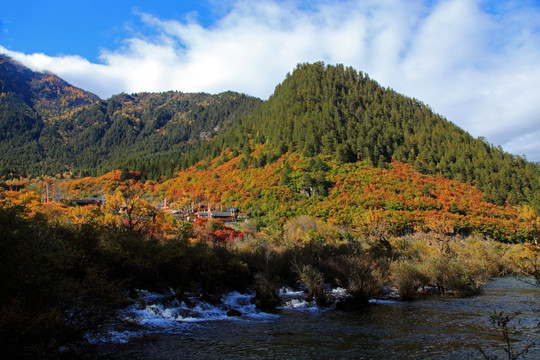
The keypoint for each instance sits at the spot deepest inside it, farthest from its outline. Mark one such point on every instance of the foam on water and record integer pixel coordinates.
(299, 304)
(338, 292)
(163, 312)
(384, 301)
(296, 299)
(289, 292)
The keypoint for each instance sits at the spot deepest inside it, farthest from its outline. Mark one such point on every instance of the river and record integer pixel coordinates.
(429, 328)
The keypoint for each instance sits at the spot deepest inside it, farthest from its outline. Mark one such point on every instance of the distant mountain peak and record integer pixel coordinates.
(45, 91)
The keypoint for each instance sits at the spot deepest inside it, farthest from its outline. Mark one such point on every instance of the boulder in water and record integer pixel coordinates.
(234, 312)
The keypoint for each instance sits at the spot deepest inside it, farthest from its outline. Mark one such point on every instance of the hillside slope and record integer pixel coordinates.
(154, 129)
(29, 102)
(50, 127)
(398, 200)
(337, 111)
(50, 96)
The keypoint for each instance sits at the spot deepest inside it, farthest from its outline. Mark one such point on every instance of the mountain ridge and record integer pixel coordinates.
(46, 92)
(63, 129)
(337, 111)
(317, 110)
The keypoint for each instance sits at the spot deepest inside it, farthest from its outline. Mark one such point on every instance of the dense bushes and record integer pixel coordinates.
(63, 280)
(54, 293)
(372, 264)
(66, 271)
(407, 278)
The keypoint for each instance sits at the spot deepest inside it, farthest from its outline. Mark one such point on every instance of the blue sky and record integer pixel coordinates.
(475, 62)
(84, 27)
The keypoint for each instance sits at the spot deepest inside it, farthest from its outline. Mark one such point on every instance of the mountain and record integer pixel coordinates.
(153, 128)
(29, 102)
(47, 94)
(51, 127)
(337, 111)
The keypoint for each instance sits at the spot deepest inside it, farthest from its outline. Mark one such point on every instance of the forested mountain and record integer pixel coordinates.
(337, 111)
(154, 129)
(48, 95)
(49, 127)
(29, 102)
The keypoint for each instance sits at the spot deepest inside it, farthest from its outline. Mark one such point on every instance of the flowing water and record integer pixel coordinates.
(429, 328)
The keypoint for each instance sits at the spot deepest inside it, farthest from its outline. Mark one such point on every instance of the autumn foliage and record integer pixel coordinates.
(355, 195)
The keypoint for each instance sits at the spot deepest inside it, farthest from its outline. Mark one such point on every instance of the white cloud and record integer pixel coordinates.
(479, 68)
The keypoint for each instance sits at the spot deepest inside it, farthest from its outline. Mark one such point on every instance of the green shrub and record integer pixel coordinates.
(360, 275)
(313, 280)
(267, 295)
(407, 278)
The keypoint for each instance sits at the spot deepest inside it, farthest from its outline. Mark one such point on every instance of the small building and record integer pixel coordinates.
(191, 217)
(91, 201)
(222, 216)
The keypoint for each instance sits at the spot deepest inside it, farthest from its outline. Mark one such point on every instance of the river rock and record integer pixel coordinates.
(234, 312)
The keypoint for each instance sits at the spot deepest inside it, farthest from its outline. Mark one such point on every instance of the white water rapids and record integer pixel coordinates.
(430, 328)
